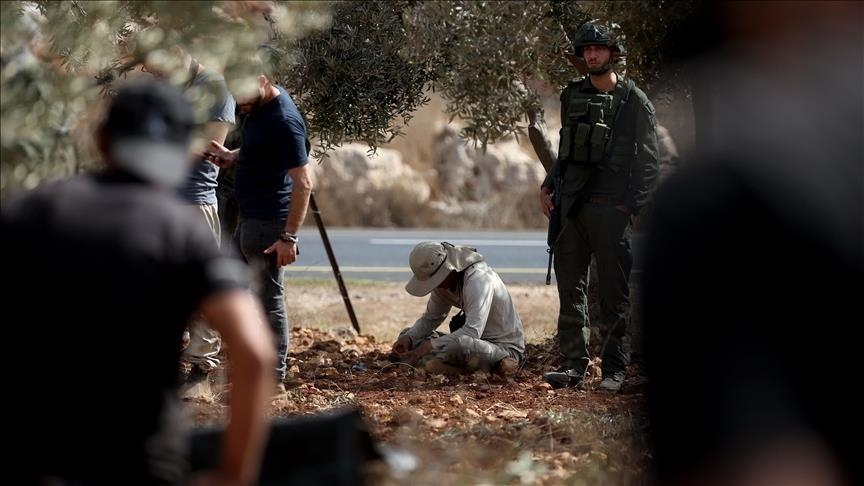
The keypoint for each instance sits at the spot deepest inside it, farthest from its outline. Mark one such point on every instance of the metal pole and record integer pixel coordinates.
(332, 257)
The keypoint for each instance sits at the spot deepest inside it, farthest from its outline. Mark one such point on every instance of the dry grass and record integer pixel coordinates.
(384, 308)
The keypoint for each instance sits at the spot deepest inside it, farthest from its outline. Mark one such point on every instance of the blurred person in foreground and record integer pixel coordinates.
(754, 265)
(132, 263)
(273, 183)
(486, 336)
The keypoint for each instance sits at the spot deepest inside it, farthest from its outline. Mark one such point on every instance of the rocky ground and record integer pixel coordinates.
(473, 429)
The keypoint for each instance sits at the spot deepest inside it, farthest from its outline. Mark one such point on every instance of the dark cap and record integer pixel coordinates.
(148, 128)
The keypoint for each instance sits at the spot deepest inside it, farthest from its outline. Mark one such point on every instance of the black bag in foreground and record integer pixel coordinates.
(323, 449)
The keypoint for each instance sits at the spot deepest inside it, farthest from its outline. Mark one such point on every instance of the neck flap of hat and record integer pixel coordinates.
(461, 257)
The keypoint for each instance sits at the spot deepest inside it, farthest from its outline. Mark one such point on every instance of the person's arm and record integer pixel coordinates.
(217, 131)
(286, 251)
(643, 172)
(436, 312)
(221, 113)
(299, 198)
(240, 320)
(547, 188)
(538, 134)
(221, 156)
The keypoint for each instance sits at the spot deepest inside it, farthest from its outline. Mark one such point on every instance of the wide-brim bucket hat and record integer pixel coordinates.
(432, 261)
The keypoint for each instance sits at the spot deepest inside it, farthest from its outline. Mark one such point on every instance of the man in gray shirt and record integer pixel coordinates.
(491, 338)
(215, 107)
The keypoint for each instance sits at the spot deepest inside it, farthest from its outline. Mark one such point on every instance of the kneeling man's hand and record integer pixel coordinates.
(412, 357)
(402, 345)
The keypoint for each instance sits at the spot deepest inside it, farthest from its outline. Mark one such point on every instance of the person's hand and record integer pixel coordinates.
(286, 252)
(402, 345)
(412, 357)
(219, 155)
(623, 209)
(546, 200)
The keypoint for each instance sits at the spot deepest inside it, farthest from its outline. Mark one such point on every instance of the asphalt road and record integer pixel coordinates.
(382, 254)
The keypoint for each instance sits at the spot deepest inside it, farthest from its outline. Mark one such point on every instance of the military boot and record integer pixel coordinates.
(612, 381)
(563, 377)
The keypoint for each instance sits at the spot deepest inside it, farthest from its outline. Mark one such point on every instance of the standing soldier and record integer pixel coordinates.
(607, 161)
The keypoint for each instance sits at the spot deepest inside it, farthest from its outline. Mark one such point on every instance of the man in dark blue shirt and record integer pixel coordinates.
(273, 185)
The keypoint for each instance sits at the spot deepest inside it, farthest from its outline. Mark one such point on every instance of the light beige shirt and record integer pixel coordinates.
(489, 311)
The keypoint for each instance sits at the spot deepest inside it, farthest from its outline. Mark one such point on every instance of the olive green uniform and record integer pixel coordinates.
(607, 158)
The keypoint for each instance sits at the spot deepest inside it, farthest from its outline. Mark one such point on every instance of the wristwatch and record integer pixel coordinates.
(288, 237)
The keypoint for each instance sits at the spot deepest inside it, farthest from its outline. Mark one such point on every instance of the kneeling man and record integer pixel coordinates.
(486, 336)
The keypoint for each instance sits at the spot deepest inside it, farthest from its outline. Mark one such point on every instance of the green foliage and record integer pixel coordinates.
(39, 104)
(362, 79)
(60, 59)
(353, 81)
(357, 69)
(485, 54)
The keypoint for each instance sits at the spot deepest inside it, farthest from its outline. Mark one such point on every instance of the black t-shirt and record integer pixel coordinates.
(104, 272)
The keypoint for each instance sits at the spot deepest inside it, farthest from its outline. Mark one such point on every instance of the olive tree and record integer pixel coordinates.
(61, 59)
(358, 70)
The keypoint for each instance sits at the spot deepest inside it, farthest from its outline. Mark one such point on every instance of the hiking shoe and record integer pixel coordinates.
(507, 367)
(564, 377)
(612, 381)
(436, 366)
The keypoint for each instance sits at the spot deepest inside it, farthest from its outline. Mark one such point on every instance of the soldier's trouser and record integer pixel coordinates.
(468, 353)
(604, 231)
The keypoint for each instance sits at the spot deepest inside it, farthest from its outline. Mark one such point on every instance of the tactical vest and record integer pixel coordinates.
(586, 123)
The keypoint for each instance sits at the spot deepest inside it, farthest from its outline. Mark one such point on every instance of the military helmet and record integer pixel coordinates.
(595, 34)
